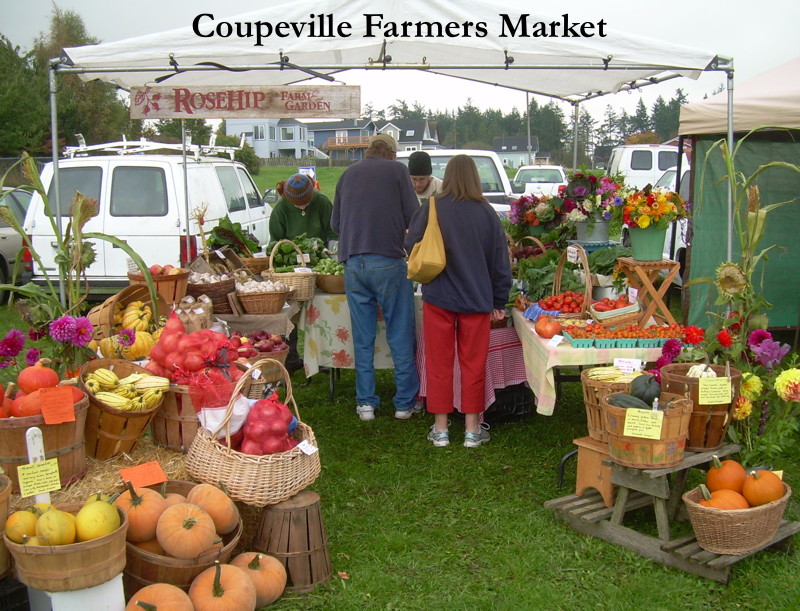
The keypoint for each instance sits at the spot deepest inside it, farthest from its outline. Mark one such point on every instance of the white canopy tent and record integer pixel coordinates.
(475, 40)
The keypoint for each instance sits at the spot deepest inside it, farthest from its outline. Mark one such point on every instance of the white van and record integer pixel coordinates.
(142, 200)
(643, 164)
(494, 179)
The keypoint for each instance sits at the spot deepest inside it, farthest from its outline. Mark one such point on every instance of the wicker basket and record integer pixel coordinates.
(256, 264)
(109, 431)
(593, 391)
(171, 287)
(270, 372)
(587, 288)
(736, 531)
(102, 316)
(330, 283)
(217, 292)
(263, 303)
(254, 480)
(303, 283)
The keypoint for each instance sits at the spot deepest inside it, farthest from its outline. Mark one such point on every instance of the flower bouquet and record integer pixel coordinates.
(655, 208)
(532, 211)
(589, 197)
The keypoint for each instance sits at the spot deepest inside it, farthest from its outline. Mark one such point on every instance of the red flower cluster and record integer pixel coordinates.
(724, 338)
(693, 335)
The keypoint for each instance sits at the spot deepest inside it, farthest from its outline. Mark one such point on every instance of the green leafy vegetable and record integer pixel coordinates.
(228, 233)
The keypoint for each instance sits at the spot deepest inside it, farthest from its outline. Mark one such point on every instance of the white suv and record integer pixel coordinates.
(143, 201)
(539, 180)
(494, 180)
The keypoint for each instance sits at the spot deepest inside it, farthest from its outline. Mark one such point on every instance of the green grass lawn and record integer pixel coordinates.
(413, 527)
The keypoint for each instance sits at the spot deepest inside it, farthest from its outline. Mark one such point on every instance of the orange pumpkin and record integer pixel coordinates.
(35, 377)
(223, 587)
(185, 531)
(762, 487)
(143, 506)
(726, 474)
(160, 596)
(722, 499)
(218, 504)
(268, 575)
(172, 498)
(152, 546)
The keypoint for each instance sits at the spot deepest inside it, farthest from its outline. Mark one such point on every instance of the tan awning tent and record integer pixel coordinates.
(771, 98)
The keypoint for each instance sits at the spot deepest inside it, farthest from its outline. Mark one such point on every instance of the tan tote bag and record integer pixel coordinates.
(427, 258)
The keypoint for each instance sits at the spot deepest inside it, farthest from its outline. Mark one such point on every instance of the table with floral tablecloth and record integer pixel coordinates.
(328, 343)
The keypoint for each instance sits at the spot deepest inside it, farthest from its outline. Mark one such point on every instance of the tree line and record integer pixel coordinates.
(96, 111)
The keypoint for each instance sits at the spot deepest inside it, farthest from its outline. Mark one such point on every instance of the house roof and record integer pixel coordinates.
(411, 130)
(313, 126)
(507, 144)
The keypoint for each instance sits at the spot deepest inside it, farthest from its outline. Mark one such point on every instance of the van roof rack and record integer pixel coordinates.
(136, 147)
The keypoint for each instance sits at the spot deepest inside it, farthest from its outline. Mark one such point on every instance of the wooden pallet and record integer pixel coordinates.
(589, 515)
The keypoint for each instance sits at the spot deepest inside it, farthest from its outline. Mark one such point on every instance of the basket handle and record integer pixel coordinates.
(237, 389)
(534, 239)
(271, 268)
(587, 285)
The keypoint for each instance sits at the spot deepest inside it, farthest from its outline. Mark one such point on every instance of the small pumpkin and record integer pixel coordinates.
(701, 370)
(143, 506)
(762, 487)
(160, 597)
(268, 575)
(726, 474)
(722, 499)
(35, 377)
(218, 504)
(185, 531)
(223, 587)
(152, 546)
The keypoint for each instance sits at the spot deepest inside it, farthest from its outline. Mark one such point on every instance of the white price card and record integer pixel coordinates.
(628, 365)
(633, 294)
(259, 255)
(555, 340)
(304, 270)
(307, 447)
(255, 374)
(219, 253)
(572, 254)
(303, 257)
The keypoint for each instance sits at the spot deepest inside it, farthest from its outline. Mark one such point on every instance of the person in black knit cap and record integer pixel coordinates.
(425, 183)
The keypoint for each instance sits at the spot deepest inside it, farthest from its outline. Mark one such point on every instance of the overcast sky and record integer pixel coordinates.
(759, 35)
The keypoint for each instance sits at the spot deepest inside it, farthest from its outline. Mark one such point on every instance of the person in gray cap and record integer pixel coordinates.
(425, 183)
(372, 208)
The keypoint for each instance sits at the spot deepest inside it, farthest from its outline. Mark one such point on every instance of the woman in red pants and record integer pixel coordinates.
(460, 303)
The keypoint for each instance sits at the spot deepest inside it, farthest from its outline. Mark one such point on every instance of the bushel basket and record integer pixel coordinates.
(263, 303)
(254, 480)
(735, 531)
(303, 283)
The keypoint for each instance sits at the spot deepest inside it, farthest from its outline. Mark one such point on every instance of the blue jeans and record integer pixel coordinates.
(372, 281)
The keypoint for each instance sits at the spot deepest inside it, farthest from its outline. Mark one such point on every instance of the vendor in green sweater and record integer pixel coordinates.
(301, 209)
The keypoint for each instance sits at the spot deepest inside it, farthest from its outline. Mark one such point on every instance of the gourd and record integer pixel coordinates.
(160, 597)
(627, 401)
(646, 388)
(218, 505)
(143, 506)
(35, 377)
(701, 371)
(185, 530)
(140, 348)
(268, 575)
(762, 487)
(223, 587)
(726, 474)
(722, 499)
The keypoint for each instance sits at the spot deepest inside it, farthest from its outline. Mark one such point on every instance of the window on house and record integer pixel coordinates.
(272, 135)
(341, 136)
(411, 148)
(258, 132)
(409, 132)
(287, 133)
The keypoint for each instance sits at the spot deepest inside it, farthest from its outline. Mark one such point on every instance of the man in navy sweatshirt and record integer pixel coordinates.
(373, 206)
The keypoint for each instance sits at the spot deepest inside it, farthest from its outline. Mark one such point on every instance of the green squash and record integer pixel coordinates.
(646, 388)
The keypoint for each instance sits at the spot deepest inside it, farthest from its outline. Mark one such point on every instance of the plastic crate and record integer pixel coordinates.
(605, 343)
(653, 342)
(13, 595)
(626, 342)
(578, 343)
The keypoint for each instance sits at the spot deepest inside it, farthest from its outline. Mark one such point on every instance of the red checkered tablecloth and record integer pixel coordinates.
(504, 365)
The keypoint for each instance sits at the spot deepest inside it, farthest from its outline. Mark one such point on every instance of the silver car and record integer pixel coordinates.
(16, 200)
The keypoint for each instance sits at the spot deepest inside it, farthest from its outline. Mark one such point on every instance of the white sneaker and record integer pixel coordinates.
(473, 440)
(406, 414)
(366, 412)
(440, 439)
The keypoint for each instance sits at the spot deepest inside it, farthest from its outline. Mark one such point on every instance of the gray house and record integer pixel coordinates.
(274, 137)
(411, 134)
(513, 151)
(344, 140)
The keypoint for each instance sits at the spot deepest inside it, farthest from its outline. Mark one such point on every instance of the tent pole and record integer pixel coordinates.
(575, 138)
(730, 151)
(185, 192)
(528, 119)
(62, 297)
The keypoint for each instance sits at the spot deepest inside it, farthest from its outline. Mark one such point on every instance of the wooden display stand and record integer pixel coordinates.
(661, 489)
(640, 275)
(593, 469)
